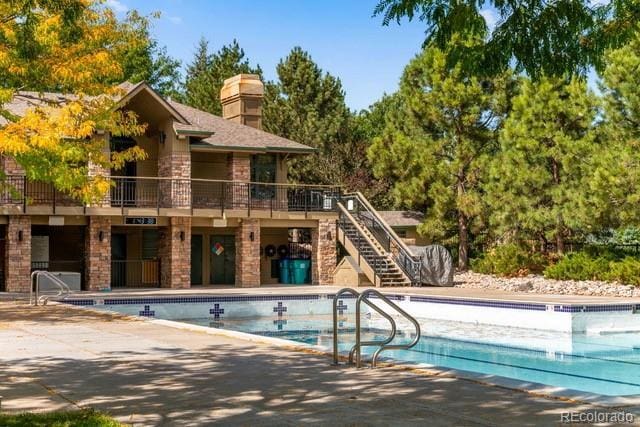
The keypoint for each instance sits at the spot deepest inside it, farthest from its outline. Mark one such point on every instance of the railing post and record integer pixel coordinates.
(54, 198)
(249, 199)
(24, 194)
(306, 199)
(157, 196)
(223, 196)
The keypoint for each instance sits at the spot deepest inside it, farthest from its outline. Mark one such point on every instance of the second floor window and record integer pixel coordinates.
(263, 169)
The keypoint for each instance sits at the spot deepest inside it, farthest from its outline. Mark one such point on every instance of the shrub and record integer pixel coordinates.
(509, 260)
(579, 266)
(604, 265)
(626, 271)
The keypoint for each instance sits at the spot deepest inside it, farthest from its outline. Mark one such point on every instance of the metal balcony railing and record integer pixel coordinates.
(156, 193)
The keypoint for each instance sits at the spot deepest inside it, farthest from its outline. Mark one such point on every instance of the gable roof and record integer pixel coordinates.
(213, 132)
(231, 135)
(402, 218)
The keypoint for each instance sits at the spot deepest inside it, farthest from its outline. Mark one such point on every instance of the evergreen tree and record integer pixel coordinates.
(539, 182)
(145, 60)
(435, 143)
(307, 106)
(207, 72)
(616, 176)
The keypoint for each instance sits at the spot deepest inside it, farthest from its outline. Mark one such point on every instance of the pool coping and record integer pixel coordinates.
(533, 388)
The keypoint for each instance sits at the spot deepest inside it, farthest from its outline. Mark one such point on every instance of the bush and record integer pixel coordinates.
(605, 265)
(626, 271)
(579, 266)
(509, 260)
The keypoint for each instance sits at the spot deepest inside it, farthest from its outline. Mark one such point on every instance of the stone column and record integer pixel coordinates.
(239, 171)
(175, 193)
(96, 171)
(323, 252)
(175, 253)
(97, 247)
(18, 254)
(248, 253)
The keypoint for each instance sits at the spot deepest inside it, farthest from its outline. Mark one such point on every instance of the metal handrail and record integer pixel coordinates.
(412, 273)
(364, 297)
(63, 287)
(382, 344)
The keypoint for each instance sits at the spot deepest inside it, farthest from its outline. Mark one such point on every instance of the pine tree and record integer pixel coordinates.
(307, 106)
(436, 141)
(616, 177)
(539, 182)
(207, 72)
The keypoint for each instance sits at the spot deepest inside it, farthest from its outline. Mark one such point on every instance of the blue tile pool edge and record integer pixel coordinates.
(474, 302)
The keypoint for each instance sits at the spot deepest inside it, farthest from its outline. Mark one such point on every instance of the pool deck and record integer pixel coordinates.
(445, 292)
(147, 373)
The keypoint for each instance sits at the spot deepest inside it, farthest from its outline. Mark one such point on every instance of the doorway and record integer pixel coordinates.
(118, 260)
(196, 259)
(222, 256)
(124, 191)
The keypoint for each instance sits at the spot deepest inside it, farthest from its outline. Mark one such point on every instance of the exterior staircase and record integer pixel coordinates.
(383, 256)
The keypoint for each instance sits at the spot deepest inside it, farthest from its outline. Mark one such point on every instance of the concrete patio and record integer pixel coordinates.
(144, 373)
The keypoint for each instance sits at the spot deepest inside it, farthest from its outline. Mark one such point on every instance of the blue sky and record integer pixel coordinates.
(340, 35)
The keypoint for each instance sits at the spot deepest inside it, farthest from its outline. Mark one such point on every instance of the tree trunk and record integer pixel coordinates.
(463, 243)
(559, 221)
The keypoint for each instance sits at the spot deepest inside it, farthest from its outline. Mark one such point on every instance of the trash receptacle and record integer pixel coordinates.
(285, 271)
(300, 271)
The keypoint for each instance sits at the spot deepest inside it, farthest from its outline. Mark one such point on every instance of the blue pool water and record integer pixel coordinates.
(602, 364)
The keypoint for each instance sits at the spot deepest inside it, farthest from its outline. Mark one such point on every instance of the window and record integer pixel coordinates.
(401, 232)
(150, 243)
(263, 169)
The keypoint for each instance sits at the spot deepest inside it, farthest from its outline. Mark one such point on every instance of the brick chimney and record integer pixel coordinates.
(241, 98)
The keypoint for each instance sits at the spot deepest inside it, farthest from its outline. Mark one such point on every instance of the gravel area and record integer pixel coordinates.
(539, 285)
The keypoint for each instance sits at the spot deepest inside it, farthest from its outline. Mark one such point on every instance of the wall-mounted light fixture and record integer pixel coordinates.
(182, 236)
(162, 136)
(329, 237)
(251, 236)
(20, 235)
(101, 235)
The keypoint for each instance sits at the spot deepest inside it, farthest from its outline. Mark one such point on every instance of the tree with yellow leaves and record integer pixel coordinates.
(72, 47)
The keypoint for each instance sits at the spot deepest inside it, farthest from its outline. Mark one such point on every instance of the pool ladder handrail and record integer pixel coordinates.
(63, 288)
(382, 344)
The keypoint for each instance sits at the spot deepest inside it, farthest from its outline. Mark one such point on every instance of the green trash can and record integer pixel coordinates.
(300, 269)
(285, 271)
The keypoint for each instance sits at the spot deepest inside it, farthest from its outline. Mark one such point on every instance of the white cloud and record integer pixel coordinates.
(175, 19)
(490, 17)
(117, 6)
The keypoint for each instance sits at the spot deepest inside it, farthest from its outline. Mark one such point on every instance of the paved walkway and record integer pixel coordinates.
(144, 373)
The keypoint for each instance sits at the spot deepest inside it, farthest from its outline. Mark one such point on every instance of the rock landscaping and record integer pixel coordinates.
(537, 284)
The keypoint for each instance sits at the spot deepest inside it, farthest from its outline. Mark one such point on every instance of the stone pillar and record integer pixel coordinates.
(97, 247)
(175, 193)
(248, 253)
(18, 254)
(323, 252)
(239, 171)
(175, 253)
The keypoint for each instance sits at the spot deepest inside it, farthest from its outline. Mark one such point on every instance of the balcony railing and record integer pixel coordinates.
(157, 193)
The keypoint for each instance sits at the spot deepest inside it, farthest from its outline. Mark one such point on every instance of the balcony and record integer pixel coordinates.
(174, 193)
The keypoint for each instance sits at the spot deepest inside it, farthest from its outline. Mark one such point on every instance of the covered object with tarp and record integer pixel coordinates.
(437, 265)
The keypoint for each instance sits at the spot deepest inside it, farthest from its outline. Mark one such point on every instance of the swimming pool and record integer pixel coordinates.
(606, 364)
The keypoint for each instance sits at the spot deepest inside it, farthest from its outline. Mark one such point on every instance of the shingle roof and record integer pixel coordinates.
(402, 218)
(227, 134)
(218, 133)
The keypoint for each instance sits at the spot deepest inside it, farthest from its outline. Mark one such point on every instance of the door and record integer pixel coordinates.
(124, 192)
(222, 253)
(196, 259)
(118, 260)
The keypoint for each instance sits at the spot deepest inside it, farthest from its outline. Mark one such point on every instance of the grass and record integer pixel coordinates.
(82, 418)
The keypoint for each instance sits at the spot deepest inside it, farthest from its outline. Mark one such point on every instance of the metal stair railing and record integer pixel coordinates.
(384, 234)
(382, 345)
(63, 288)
